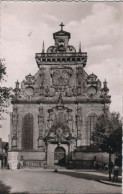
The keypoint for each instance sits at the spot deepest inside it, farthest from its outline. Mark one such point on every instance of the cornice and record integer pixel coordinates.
(78, 101)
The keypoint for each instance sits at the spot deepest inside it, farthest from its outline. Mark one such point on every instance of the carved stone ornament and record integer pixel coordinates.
(14, 142)
(92, 86)
(30, 80)
(61, 47)
(29, 91)
(42, 76)
(61, 77)
(69, 92)
(92, 81)
(51, 49)
(41, 122)
(15, 126)
(15, 117)
(41, 90)
(79, 122)
(59, 133)
(74, 90)
(47, 92)
(91, 91)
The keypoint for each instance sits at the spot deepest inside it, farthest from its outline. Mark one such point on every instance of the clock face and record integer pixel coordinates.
(91, 91)
(29, 91)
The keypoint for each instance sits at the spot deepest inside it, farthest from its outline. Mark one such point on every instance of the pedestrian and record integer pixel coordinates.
(2, 166)
(116, 173)
(18, 165)
(21, 162)
(8, 167)
(56, 170)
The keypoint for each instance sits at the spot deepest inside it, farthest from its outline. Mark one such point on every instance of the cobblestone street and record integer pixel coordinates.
(47, 181)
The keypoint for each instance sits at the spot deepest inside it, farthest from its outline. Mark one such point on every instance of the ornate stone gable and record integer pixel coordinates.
(59, 133)
(60, 123)
(72, 82)
(65, 80)
(92, 86)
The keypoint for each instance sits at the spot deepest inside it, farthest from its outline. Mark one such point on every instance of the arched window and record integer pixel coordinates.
(27, 132)
(91, 121)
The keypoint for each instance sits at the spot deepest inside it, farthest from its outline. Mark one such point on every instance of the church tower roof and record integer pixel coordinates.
(61, 52)
(61, 32)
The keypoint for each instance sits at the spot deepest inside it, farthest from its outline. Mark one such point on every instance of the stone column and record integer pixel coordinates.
(50, 154)
(41, 125)
(79, 125)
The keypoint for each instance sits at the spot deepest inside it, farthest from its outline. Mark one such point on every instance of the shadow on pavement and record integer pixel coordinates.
(84, 175)
(4, 189)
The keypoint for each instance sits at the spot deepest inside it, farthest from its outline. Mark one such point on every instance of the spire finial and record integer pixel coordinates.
(105, 89)
(80, 47)
(17, 84)
(105, 83)
(43, 47)
(62, 25)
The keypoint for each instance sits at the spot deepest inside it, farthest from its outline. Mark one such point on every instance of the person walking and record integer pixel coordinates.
(116, 173)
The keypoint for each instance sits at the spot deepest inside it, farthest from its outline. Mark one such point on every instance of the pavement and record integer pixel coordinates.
(101, 176)
(118, 184)
(67, 181)
(104, 173)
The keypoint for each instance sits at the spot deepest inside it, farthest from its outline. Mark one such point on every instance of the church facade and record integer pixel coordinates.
(54, 111)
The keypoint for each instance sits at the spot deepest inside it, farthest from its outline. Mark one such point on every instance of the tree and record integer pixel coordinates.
(5, 92)
(107, 135)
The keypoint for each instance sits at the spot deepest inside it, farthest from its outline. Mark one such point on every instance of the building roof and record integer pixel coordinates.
(61, 33)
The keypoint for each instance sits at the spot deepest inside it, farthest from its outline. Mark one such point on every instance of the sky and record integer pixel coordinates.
(97, 25)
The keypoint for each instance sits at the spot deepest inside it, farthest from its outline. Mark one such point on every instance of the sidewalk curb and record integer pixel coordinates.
(108, 183)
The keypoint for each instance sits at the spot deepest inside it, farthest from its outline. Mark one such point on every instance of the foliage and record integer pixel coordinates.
(5, 92)
(107, 134)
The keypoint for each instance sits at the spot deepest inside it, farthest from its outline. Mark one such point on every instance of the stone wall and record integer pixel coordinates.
(100, 157)
(32, 155)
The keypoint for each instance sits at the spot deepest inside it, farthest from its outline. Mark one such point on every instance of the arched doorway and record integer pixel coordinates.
(59, 156)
